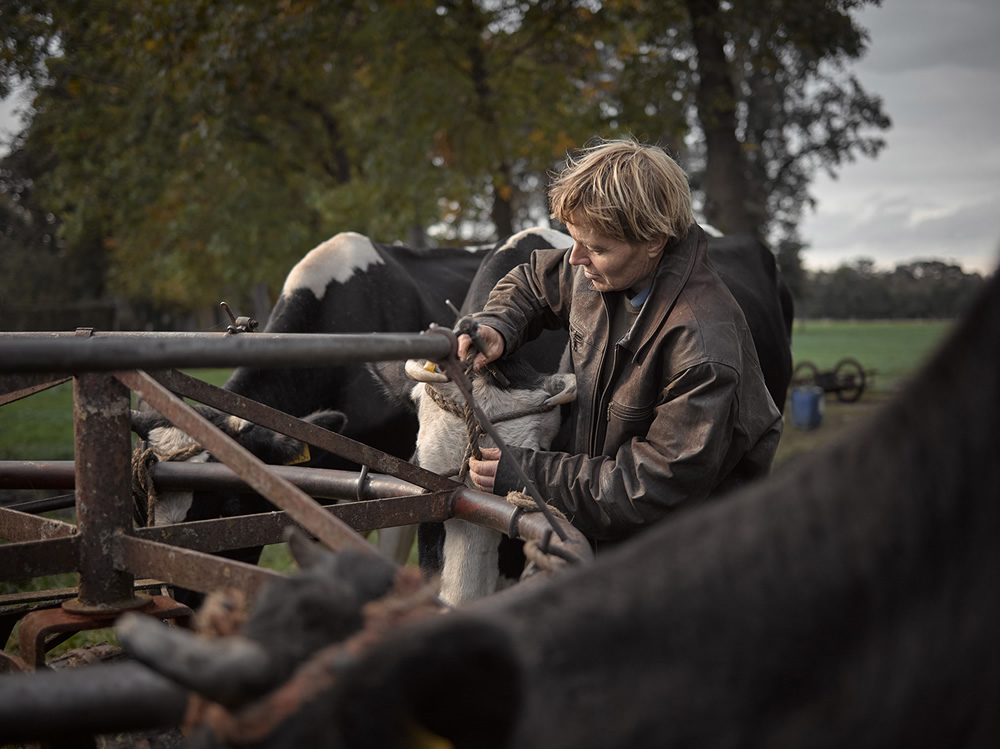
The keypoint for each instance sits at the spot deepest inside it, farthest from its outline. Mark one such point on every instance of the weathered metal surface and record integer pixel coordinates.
(268, 527)
(102, 446)
(38, 626)
(330, 530)
(191, 569)
(258, 413)
(67, 352)
(22, 526)
(15, 387)
(28, 559)
(89, 700)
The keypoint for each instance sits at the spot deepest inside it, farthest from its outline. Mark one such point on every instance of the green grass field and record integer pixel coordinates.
(892, 349)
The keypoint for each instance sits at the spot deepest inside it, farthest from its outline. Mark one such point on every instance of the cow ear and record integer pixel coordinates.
(424, 371)
(143, 422)
(561, 389)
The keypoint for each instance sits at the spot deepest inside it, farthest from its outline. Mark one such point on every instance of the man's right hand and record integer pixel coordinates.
(492, 341)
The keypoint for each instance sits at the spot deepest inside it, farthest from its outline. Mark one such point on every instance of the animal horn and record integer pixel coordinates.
(424, 372)
(231, 670)
(562, 388)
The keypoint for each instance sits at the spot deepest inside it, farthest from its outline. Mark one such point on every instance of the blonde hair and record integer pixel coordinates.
(624, 190)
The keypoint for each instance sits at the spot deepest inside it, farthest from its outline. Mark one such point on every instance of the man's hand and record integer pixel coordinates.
(484, 472)
(492, 341)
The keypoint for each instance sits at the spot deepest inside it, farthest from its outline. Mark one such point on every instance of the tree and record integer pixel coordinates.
(779, 105)
(199, 147)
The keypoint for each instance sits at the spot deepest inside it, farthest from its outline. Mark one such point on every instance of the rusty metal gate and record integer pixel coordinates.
(118, 562)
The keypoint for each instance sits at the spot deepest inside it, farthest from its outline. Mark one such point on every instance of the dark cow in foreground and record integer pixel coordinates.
(848, 600)
(347, 284)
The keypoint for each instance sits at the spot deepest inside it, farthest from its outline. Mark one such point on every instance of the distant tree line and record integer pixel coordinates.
(923, 289)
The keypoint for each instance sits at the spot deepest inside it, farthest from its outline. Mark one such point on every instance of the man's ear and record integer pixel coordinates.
(655, 247)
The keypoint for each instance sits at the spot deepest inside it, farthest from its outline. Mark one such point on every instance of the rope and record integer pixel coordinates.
(144, 494)
(540, 560)
(473, 428)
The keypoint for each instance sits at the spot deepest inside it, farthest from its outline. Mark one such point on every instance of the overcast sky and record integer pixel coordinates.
(934, 191)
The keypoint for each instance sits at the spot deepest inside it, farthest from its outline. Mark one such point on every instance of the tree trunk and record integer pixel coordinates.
(725, 178)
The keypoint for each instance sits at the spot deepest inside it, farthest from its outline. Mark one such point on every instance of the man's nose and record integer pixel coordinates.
(578, 256)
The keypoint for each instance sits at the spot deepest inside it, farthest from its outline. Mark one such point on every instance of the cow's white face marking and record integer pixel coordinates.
(470, 551)
(168, 440)
(337, 259)
(173, 507)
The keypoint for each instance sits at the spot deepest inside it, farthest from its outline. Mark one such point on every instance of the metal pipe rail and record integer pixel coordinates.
(95, 351)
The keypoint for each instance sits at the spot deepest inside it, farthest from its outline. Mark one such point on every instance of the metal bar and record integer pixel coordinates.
(102, 446)
(317, 482)
(28, 559)
(328, 529)
(107, 698)
(15, 387)
(20, 526)
(55, 352)
(267, 528)
(191, 569)
(338, 444)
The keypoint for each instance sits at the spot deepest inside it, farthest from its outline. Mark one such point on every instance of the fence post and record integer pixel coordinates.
(102, 448)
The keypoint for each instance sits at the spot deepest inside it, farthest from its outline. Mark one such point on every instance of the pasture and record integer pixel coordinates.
(41, 427)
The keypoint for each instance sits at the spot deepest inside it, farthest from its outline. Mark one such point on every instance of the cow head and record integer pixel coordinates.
(169, 443)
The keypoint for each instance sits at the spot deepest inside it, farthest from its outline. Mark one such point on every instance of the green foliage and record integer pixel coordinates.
(187, 150)
(922, 289)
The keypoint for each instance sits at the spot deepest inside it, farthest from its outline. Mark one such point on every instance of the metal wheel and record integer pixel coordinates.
(850, 379)
(805, 373)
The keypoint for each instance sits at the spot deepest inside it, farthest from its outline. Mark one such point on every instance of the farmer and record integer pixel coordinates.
(672, 406)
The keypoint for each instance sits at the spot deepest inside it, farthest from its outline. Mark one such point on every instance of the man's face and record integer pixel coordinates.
(611, 264)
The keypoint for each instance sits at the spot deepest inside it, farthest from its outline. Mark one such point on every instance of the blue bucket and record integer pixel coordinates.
(807, 407)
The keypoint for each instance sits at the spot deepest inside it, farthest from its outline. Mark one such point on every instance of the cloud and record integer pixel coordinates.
(935, 189)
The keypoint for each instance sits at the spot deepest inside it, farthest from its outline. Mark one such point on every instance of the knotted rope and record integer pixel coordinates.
(144, 494)
(473, 428)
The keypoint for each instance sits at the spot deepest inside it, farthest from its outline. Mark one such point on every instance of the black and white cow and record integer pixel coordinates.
(347, 284)
(848, 600)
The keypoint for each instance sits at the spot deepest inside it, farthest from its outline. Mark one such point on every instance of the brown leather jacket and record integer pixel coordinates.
(685, 413)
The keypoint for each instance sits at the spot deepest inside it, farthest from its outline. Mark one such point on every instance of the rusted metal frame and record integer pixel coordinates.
(330, 530)
(102, 450)
(268, 527)
(491, 511)
(22, 526)
(192, 569)
(338, 444)
(175, 476)
(15, 387)
(30, 597)
(69, 353)
(41, 630)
